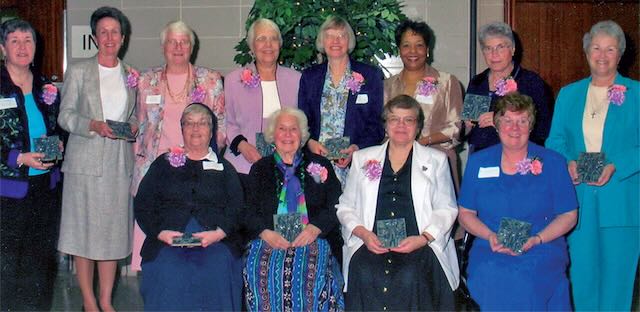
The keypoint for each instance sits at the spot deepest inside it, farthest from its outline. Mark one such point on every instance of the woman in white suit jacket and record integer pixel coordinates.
(399, 180)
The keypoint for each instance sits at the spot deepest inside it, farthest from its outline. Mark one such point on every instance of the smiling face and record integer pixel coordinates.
(413, 51)
(402, 125)
(603, 55)
(266, 45)
(336, 43)
(19, 48)
(498, 52)
(514, 129)
(196, 132)
(287, 134)
(109, 36)
(177, 49)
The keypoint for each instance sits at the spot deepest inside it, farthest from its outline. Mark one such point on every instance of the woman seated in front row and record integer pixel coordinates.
(191, 192)
(289, 269)
(400, 186)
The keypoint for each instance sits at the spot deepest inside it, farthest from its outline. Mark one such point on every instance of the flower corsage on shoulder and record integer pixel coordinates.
(505, 86)
(428, 86)
(132, 77)
(177, 157)
(355, 82)
(49, 93)
(372, 169)
(318, 172)
(249, 79)
(615, 94)
(531, 165)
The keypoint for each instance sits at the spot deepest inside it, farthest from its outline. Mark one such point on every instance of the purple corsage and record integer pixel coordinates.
(616, 94)
(505, 86)
(132, 77)
(533, 165)
(428, 86)
(249, 78)
(49, 93)
(355, 82)
(372, 169)
(177, 157)
(318, 172)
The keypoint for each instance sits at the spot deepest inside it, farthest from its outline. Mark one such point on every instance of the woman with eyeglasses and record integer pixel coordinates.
(503, 75)
(397, 211)
(518, 200)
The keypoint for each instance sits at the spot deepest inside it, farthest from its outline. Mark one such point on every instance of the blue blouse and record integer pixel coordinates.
(37, 128)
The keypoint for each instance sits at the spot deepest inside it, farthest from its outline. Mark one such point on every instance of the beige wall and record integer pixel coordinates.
(488, 11)
(219, 25)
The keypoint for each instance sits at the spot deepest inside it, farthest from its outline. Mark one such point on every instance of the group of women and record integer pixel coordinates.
(276, 225)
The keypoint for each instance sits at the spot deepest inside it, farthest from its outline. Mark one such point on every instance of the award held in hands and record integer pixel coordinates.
(50, 147)
(288, 225)
(262, 146)
(391, 231)
(186, 240)
(335, 145)
(514, 233)
(475, 105)
(121, 130)
(590, 166)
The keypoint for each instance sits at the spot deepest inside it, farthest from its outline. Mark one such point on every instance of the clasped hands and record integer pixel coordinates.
(103, 129)
(496, 246)
(206, 237)
(407, 245)
(306, 237)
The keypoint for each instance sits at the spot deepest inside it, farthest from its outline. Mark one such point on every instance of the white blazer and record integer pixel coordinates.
(434, 202)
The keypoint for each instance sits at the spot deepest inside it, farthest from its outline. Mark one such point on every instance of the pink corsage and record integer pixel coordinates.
(49, 93)
(616, 94)
(428, 86)
(318, 172)
(505, 86)
(533, 165)
(249, 78)
(355, 82)
(177, 157)
(132, 77)
(198, 94)
(372, 169)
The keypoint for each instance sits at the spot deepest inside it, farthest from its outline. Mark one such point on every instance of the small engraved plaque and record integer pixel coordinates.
(391, 231)
(514, 233)
(121, 130)
(288, 225)
(49, 146)
(264, 148)
(186, 240)
(475, 105)
(335, 145)
(590, 166)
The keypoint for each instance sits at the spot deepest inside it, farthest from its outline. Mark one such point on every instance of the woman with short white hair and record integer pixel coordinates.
(163, 93)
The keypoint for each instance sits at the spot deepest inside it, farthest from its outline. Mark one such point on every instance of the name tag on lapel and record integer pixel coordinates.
(362, 99)
(154, 99)
(7, 103)
(423, 99)
(211, 165)
(488, 172)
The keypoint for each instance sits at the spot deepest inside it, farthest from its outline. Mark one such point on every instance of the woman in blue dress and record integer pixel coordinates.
(520, 180)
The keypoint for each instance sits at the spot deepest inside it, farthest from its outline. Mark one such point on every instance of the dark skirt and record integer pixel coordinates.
(192, 279)
(397, 282)
(297, 279)
(28, 237)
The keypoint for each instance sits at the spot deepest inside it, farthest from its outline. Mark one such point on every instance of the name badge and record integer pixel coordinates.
(488, 172)
(212, 165)
(7, 103)
(362, 99)
(424, 99)
(154, 99)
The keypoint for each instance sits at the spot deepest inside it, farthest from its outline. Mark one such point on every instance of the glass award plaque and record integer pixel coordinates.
(186, 240)
(264, 148)
(391, 231)
(49, 146)
(121, 130)
(335, 145)
(514, 233)
(590, 166)
(288, 225)
(475, 105)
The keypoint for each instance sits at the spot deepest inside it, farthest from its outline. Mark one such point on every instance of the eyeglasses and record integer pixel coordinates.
(175, 43)
(194, 124)
(334, 36)
(521, 123)
(499, 48)
(395, 120)
(264, 39)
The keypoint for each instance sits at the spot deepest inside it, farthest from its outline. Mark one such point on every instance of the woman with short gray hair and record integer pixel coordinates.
(598, 117)
(341, 97)
(503, 76)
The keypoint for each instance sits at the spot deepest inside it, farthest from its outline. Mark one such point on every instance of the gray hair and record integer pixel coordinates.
(303, 124)
(609, 28)
(335, 22)
(200, 109)
(13, 25)
(251, 33)
(404, 101)
(495, 29)
(177, 27)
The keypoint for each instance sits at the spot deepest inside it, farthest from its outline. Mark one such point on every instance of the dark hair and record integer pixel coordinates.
(515, 102)
(15, 24)
(114, 13)
(420, 28)
(404, 101)
(199, 108)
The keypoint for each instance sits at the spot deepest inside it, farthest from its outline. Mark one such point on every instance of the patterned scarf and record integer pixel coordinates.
(291, 198)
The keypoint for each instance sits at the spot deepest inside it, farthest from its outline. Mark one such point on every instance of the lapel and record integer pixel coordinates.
(254, 100)
(421, 176)
(93, 82)
(351, 102)
(614, 122)
(578, 110)
(369, 194)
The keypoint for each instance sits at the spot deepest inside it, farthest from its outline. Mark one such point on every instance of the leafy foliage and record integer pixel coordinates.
(373, 21)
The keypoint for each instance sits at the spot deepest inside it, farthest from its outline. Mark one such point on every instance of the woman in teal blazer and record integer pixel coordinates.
(600, 114)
